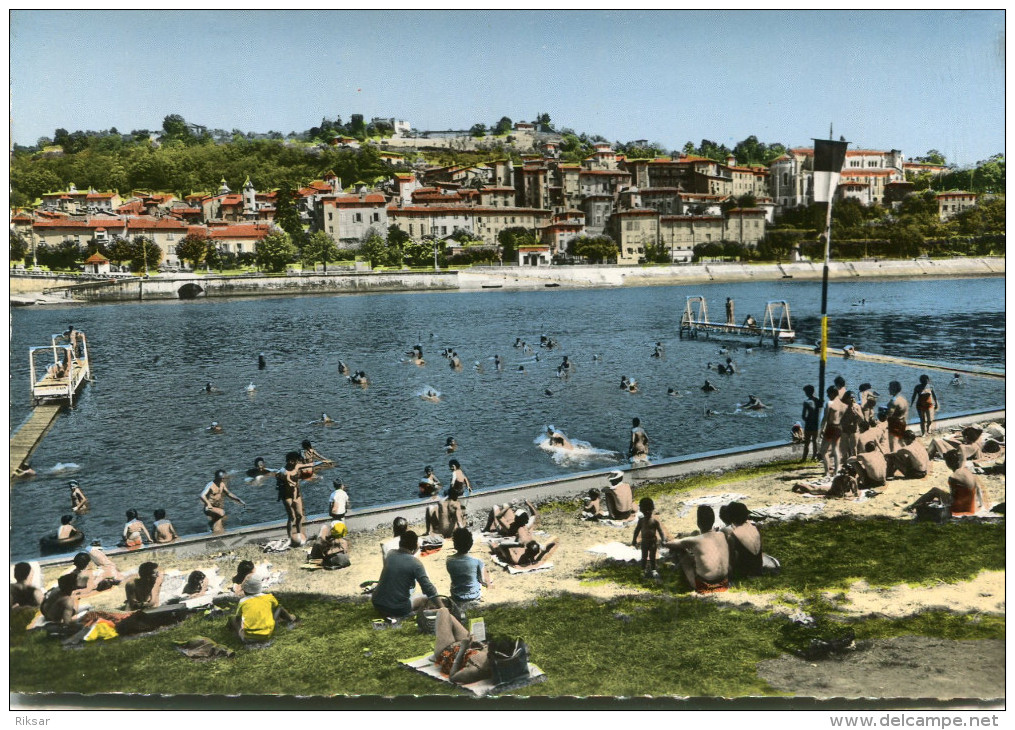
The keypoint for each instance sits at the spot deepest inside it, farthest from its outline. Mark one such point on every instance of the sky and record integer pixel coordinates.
(909, 80)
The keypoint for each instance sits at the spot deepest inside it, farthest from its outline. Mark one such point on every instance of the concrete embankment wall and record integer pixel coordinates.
(478, 505)
(497, 277)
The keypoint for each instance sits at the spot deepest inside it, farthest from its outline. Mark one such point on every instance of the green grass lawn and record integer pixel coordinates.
(655, 644)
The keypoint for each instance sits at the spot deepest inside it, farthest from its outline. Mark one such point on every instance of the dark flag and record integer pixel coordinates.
(829, 157)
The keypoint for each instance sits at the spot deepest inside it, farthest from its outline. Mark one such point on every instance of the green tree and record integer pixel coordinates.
(119, 250)
(287, 217)
(375, 250)
(543, 123)
(933, 157)
(478, 130)
(356, 126)
(417, 253)
(511, 238)
(193, 248)
(595, 249)
(319, 247)
(503, 126)
(275, 251)
(145, 254)
(19, 247)
(397, 241)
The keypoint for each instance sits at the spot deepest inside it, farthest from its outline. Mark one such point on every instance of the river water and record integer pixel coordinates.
(137, 438)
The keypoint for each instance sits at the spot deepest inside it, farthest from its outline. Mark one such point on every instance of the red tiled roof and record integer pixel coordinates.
(232, 200)
(466, 210)
(96, 258)
(693, 218)
(93, 196)
(155, 223)
(240, 230)
(614, 173)
(351, 201)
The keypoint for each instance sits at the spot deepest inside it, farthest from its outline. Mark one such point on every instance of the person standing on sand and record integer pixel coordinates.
(852, 424)
(811, 416)
(213, 497)
(831, 431)
(288, 482)
(897, 415)
(925, 400)
(638, 449)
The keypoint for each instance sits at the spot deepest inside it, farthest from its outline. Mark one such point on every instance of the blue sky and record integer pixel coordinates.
(912, 80)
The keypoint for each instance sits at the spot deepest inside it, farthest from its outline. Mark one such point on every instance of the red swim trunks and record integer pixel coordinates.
(704, 587)
(832, 433)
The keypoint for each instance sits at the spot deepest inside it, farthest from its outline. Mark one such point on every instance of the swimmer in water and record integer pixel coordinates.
(259, 468)
(326, 420)
(624, 382)
(672, 391)
(360, 378)
(456, 363)
(78, 500)
(638, 448)
(956, 380)
(596, 358)
(214, 427)
(251, 388)
(66, 529)
(497, 362)
(261, 362)
(658, 352)
(429, 485)
(343, 369)
(431, 395)
(753, 404)
(632, 386)
(459, 482)
(708, 387)
(521, 368)
(730, 367)
(209, 388)
(565, 367)
(25, 470)
(710, 412)
(556, 438)
(310, 455)
(213, 497)
(518, 342)
(547, 392)
(450, 445)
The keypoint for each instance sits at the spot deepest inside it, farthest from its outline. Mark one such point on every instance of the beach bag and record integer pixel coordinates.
(336, 561)
(426, 619)
(934, 512)
(509, 659)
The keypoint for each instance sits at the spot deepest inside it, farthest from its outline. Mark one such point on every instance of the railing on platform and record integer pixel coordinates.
(776, 323)
(62, 379)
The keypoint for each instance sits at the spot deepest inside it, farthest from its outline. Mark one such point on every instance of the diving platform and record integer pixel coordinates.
(776, 324)
(27, 438)
(59, 370)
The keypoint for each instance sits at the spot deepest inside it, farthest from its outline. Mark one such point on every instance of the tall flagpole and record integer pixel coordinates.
(829, 157)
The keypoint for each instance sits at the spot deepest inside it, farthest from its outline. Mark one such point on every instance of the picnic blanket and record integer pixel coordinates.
(483, 687)
(618, 551)
(787, 511)
(633, 519)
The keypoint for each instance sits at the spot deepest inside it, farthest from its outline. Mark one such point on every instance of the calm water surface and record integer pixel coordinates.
(137, 437)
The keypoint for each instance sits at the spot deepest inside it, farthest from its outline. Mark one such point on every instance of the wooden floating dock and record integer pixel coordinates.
(776, 324)
(26, 439)
(908, 362)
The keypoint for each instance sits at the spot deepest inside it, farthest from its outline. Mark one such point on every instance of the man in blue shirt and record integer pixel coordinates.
(402, 570)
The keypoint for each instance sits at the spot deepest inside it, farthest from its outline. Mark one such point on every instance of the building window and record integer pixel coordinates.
(377, 217)
(358, 217)
(239, 248)
(330, 214)
(169, 236)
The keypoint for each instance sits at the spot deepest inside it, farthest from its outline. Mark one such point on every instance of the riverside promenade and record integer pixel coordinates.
(181, 286)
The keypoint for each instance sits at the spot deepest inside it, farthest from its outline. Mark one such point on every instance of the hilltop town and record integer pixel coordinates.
(530, 208)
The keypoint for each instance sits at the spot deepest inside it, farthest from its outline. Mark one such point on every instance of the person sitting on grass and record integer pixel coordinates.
(24, 593)
(744, 542)
(704, 558)
(333, 551)
(871, 467)
(85, 580)
(143, 589)
(60, 604)
(197, 585)
(911, 460)
(649, 527)
(403, 570)
(398, 528)
(257, 613)
(442, 518)
(619, 500)
(468, 573)
(244, 570)
(593, 507)
(965, 494)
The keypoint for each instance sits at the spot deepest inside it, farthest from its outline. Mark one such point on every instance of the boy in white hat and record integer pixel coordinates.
(619, 500)
(257, 613)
